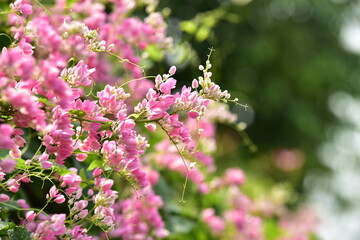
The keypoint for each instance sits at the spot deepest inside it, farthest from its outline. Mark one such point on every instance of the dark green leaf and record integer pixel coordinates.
(72, 62)
(3, 153)
(3, 225)
(5, 40)
(19, 233)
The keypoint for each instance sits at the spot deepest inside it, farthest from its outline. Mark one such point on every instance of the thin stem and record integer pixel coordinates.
(127, 60)
(199, 133)
(46, 10)
(147, 120)
(87, 120)
(17, 208)
(137, 79)
(37, 152)
(182, 158)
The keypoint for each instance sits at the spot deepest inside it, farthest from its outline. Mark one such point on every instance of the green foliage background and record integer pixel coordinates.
(283, 58)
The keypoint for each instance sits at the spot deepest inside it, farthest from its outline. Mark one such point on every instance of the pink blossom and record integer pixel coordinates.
(195, 84)
(7, 165)
(172, 70)
(216, 223)
(166, 86)
(4, 197)
(6, 142)
(46, 164)
(234, 176)
(26, 47)
(80, 205)
(13, 185)
(51, 228)
(30, 216)
(78, 75)
(194, 114)
(22, 203)
(59, 199)
(81, 157)
(22, 6)
(29, 113)
(151, 127)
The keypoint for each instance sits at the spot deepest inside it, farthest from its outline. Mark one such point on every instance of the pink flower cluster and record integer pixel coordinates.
(66, 121)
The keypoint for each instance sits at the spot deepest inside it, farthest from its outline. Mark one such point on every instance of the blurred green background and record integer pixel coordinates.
(296, 64)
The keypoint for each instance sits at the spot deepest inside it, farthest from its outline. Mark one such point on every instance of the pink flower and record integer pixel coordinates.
(166, 86)
(78, 75)
(22, 6)
(151, 127)
(59, 199)
(48, 229)
(22, 203)
(53, 192)
(97, 172)
(4, 197)
(6, 131)
(216, 223)
(195, 84)
(80, 205)
(194, 114)
(29, 113)
(13, 185)
(172, 70)
(234, 176)
(26, 47)
(26, 9)
(7, 165)
(46, 164)
(81, 157)
(30, 216)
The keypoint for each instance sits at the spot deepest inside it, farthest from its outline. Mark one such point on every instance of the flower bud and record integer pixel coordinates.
(172, 70)
(30, 216)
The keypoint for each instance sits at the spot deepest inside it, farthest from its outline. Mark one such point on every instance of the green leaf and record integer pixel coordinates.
(72, 62)
(19, 233)
(78, 113)
(82, 174)
(155, 52)
(20, 163)
(106, 126)
(188, 26)
(70, 2)
(5, 40)
(271, 229)
(314, 237)
(95, 164)
(202, 34)
(44, 100)
(61, 170)
(3, 153)
(134, 115)
(3, 225)
(179, 224)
